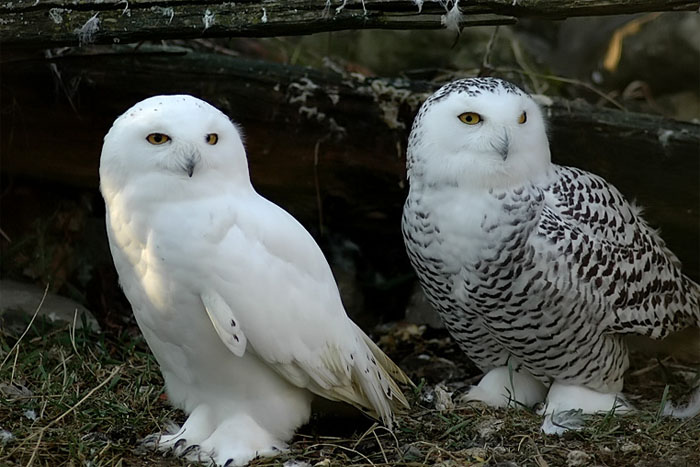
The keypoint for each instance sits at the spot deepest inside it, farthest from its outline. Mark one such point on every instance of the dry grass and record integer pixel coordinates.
(77, 398)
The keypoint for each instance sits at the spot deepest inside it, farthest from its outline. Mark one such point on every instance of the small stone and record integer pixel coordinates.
(15, 390)
(5, 436)
(488, 427)
(411, 453)
(630, 447)
(477, 453)
(296, 463)
(443, 398)
(576, 458)
(20, 301)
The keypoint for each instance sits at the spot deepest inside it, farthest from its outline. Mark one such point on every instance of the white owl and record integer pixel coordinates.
(232, 294)
(539, 271)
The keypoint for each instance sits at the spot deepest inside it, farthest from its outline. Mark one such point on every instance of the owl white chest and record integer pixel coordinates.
(163, 253)
(454, 226)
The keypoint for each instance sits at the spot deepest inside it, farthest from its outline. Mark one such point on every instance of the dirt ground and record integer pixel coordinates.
(71, 397)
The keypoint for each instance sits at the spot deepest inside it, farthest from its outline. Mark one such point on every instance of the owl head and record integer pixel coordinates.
(480, 133)
(176, 141)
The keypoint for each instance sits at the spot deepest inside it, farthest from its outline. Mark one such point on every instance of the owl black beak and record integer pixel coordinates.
(189, 166)
(502, 145)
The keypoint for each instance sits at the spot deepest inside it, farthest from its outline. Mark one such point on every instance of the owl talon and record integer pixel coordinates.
(189, 449)
(151, 441)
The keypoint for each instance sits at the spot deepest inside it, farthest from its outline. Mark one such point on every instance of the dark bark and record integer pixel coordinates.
(54, 23)
(318, 135)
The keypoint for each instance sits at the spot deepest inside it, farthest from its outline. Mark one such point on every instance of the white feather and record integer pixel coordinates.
(225, 322)
(234, 297)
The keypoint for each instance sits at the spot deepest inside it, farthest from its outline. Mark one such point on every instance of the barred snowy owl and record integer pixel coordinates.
(233, 296)
(538, 270)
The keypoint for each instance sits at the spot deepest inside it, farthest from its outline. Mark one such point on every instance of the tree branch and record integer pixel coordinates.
(54, 23)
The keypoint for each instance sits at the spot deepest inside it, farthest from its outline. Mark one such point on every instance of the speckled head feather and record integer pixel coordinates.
(476, 86)
(507, 144)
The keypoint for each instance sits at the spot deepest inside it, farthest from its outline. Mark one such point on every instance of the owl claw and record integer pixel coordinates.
(151, 440)
(189, 449)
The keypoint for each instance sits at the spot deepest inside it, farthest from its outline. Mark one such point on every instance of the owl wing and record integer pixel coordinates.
(611, 247)
(272, 292)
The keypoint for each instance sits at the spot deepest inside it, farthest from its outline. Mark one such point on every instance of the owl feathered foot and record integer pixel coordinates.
(566, 405)
(234, 441)
(691, 409)
(504, 387)
(238, 440)
(196, 429)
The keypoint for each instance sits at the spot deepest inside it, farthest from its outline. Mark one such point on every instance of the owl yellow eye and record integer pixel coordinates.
(157, 138)
(470, 118)
(523, 118)
(212, 138)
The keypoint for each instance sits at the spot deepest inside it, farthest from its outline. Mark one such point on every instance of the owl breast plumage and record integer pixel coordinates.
(233, 295)
(534, 265)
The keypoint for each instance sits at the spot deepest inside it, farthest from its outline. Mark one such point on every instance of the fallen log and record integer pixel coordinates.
(328, 146)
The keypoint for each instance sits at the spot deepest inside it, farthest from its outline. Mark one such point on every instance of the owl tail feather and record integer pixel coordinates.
(372, 385)
(385, 396)
(386, 363)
